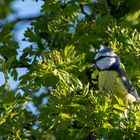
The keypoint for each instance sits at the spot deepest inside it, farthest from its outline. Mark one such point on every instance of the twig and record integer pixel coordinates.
(83, 11)
(28, 18)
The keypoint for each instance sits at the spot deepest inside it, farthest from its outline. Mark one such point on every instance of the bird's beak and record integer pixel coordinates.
(93, 61)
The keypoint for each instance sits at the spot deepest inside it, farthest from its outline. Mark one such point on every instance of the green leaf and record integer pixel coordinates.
(85, 90)
(119, 108)
(65, 116)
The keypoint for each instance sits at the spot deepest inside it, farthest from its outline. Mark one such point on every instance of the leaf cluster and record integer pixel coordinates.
(60, 81)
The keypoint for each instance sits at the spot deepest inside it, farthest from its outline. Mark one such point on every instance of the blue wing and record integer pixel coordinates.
(128, 84)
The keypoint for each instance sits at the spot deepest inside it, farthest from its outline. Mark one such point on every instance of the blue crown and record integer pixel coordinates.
(104, 50)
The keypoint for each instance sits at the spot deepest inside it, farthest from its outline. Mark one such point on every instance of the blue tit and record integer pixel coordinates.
(112, 77)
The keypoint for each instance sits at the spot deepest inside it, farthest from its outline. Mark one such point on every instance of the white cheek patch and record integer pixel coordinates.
(105, 63)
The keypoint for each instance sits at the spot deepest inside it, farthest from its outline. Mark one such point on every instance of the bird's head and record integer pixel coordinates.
(107, 59)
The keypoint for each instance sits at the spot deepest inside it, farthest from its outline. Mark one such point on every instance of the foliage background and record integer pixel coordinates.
(64, 39)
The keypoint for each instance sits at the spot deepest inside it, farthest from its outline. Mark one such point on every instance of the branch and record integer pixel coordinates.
(28, 18)
(83, 11)
(20, 65)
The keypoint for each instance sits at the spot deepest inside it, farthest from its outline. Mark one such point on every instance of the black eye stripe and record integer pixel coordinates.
(101, 57)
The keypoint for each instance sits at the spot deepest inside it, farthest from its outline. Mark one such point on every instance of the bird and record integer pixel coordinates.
(112, 77)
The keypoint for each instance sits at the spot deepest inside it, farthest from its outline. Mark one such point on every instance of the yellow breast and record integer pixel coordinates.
(110, 81)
